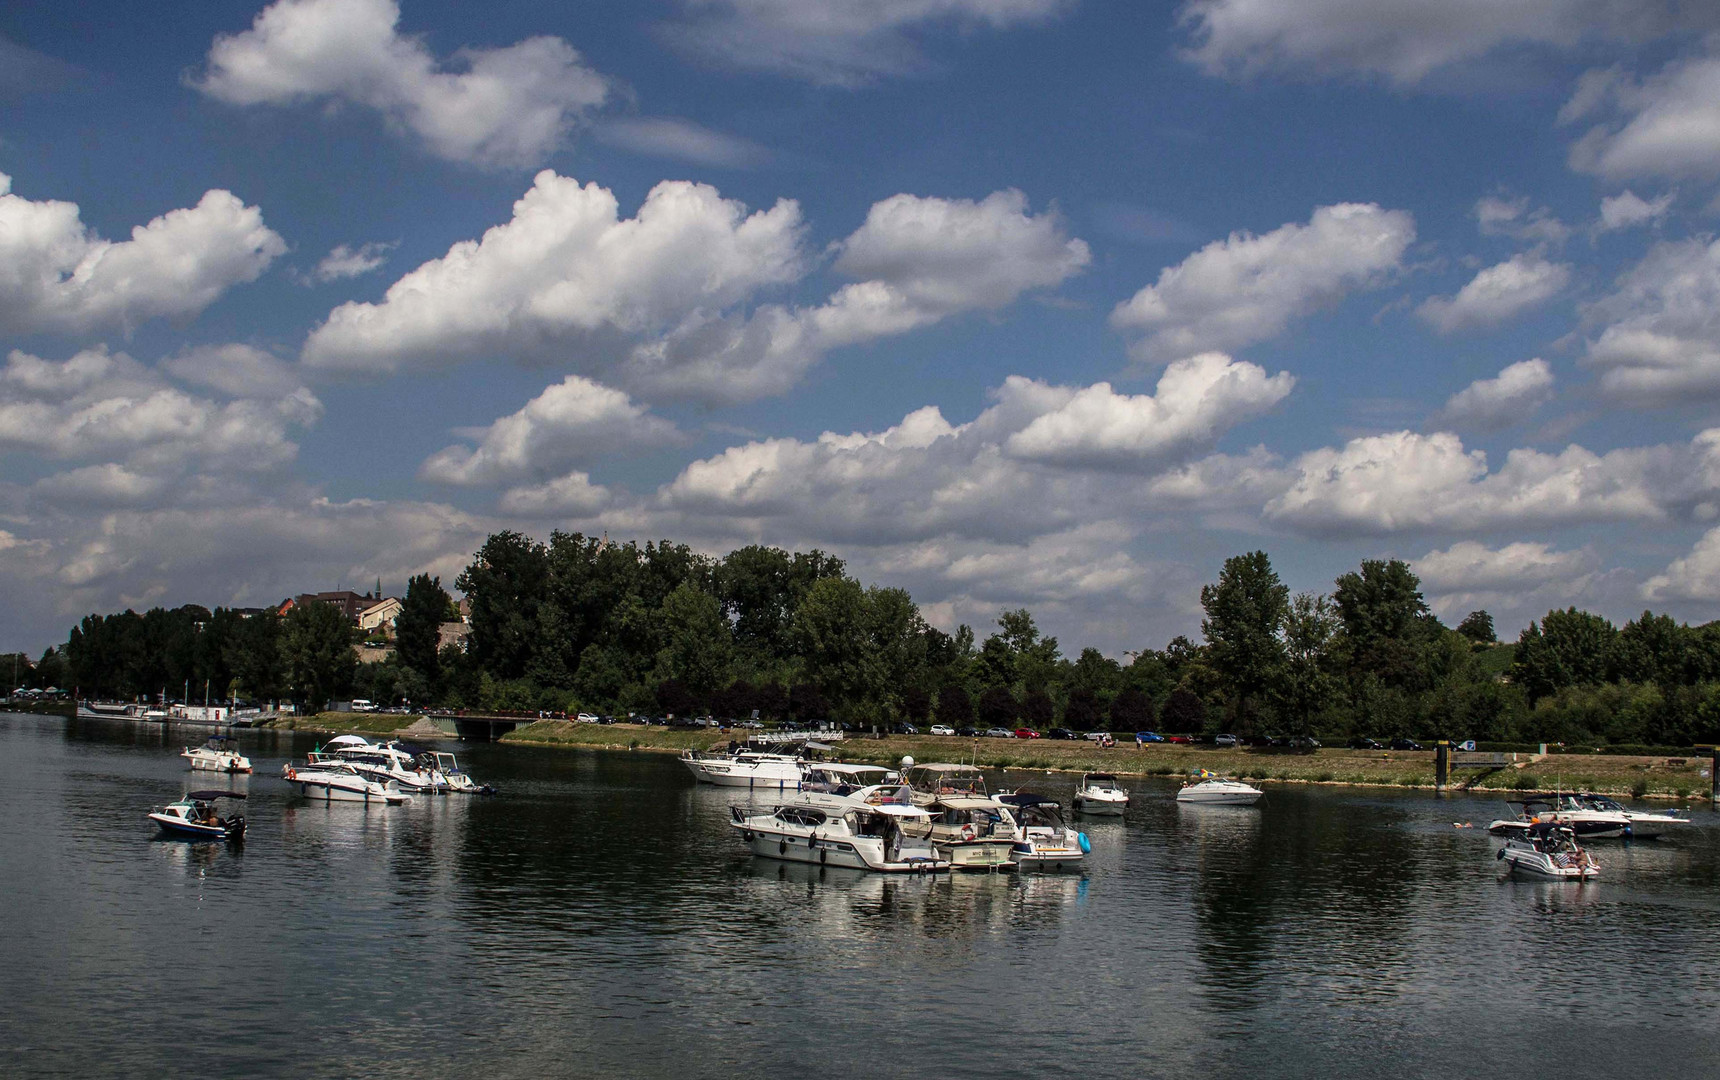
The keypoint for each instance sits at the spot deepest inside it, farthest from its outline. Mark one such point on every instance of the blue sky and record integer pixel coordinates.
(1052, 303)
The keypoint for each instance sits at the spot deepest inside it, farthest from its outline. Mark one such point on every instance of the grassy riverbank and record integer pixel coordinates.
(343, 723)
(1646, 776)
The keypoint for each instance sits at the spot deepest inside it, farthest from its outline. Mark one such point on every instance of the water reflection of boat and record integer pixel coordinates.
(194, 817)
(219, 754)
(1218, 791)
(1549, 851)
(1101, 795)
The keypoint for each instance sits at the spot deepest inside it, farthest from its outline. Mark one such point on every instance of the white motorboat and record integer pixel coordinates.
(383, 762)
(1550, 851)
(194, 817)
(842, 780)
(859, 837)
(751, 769)
(1563, 808)
(336, 782)
(967, 825)
(457, 780)
(219, 754)
(1043, 840)
(1100, 795)
(1219, 791)
(1644, 825)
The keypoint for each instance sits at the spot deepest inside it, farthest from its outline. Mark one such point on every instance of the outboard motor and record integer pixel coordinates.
(236, 829)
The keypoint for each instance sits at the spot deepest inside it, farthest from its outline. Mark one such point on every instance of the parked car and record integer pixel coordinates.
(1304, 742)
(943, 729)
(750, 725)
(1226, 742)
(1061, 733)
(999, 733)
(1183, 739)
(1401, 743)
(1026, 733)
(968, 732)
(902, 727)
(1362, 742)
(587, 718)
(1148, 736)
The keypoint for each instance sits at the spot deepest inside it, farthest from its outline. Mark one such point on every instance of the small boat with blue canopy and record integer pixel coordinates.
(195, 817)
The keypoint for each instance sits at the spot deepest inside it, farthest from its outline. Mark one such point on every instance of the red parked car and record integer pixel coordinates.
(1026, 733)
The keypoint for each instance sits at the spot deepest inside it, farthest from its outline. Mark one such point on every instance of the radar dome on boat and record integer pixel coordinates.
(907, 761)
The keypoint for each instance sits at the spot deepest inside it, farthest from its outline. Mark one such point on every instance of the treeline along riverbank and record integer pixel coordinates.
(580, 623)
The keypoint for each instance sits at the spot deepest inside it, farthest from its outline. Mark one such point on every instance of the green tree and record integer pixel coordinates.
(1477, 626)
(1310, 628)
(504, 587)
(1131, 711)
(317, 654)
(1567, 648)
(1386, 625)
(697, 649)
(418, 627)
(1245, 612)
(955, 707)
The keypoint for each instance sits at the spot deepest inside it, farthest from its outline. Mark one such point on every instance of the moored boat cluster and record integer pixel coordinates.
(924, 818)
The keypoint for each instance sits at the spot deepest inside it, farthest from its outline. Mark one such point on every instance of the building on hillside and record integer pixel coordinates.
(465, 611)
(452, 633)
(381, 613)
(349, 602)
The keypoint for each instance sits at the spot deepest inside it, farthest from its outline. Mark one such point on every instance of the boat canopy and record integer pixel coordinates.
(1100, 778)
(1028, 798)
(349, 740)
(208, 796)
(939, 767)
(852, 770)
(899, 810)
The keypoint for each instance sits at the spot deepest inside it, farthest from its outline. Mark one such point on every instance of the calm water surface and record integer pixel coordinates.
(599, 919)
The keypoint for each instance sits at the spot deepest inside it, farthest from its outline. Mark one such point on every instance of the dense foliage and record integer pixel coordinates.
(582, 623)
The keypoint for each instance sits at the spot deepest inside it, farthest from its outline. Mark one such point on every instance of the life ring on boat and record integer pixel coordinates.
(968, 832)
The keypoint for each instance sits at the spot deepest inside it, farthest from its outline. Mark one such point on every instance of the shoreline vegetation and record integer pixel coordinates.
(1646, 776)
(586, 625)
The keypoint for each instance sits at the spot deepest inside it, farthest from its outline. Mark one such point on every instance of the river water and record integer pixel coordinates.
(600, 919)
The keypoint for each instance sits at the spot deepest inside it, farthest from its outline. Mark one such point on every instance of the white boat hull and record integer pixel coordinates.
(336, 787)
(212, 761)
(754, 776)
(1537, 865)
(1100, 807)
(1220, 793)
(853, 853)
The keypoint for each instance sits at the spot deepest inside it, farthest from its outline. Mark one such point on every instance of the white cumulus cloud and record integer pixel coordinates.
(56, 275)
(1406, 40)
(1405, 481)
(1510, 397)
(1627, 209)
(565, 273)
(572, 421)
(1247, 288)
(670, 298)
(1497, 293)
(1667, 125)
(1468, 566)
(837, 42)
(511, 106)
(1695, 576)
(1195, 400)
(1660, 336)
